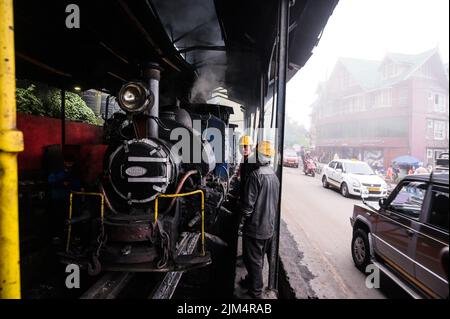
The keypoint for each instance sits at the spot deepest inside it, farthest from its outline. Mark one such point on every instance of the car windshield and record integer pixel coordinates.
(358, 168)
(290, 153)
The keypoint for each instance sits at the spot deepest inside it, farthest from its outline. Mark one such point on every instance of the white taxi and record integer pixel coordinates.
(353, 177)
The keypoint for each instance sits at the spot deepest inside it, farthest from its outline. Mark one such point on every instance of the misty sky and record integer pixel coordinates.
(367, 29)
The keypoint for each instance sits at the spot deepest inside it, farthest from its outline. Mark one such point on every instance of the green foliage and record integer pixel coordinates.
(295, 134)
(44, 101)
(76, 108)
(28, 102)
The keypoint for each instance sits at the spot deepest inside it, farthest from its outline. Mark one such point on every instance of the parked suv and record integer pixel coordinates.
(407, 236)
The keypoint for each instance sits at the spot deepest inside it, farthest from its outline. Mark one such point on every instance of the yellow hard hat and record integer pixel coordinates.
(265, 148)
(245, 140)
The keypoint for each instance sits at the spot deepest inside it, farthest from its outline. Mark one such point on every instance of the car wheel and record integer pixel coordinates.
(325, 182)
(344, 190)
(360, 249)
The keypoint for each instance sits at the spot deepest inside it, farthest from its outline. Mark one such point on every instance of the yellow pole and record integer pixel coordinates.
(11, 142)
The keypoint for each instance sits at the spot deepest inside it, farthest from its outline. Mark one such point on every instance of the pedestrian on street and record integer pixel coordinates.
(259, 207)
(302, 155)
(396, 171)
(390, 173)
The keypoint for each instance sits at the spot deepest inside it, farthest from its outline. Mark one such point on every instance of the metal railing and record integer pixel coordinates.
(102, 212)
(199, 191)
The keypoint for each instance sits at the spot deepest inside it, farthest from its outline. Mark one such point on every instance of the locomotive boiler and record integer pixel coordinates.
(162, 176)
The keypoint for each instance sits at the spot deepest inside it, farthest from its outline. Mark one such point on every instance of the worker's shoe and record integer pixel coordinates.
(244, 283)
(255, 296)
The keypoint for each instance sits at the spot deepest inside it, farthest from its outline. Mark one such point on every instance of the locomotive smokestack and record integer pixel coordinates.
(152, 74)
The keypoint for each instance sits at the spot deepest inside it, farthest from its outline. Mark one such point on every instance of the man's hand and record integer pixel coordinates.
(241, 227)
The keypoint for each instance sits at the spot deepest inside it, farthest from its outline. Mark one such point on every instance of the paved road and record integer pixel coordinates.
(318, 220)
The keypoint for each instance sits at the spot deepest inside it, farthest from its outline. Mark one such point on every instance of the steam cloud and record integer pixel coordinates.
(209, 79)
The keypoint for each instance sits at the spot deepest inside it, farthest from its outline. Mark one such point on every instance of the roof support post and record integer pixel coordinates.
(107, 107)
(283, 26)
(63, 118)
(262, 92)
(11, 142)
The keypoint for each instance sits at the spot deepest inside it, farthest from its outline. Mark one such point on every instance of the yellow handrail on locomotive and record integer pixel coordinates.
(11, 142)
(102, 211)
(199, 191)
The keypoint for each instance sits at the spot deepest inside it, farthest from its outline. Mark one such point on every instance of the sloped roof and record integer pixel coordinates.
(415, 59)
(368, 73)
(364, 72)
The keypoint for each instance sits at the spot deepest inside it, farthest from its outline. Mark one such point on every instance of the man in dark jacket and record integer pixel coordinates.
(247, 164)
(259, 207)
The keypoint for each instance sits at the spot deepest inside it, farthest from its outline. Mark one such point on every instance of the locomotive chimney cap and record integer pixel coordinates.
(152, 65)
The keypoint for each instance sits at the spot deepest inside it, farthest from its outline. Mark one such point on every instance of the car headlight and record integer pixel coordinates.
(134, 97)
(356, 183)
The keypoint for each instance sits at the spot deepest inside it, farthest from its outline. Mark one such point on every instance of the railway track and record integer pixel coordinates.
(113, 284)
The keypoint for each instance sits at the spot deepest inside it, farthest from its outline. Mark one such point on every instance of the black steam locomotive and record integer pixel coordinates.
(162, 177)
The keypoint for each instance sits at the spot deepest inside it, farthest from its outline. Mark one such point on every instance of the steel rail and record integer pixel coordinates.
(167, 286)
(112, 283)
(109, 286)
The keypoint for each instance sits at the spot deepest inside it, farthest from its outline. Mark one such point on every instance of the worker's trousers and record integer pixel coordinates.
(253, 251)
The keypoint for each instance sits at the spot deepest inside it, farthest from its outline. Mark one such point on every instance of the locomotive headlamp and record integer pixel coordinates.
(134, 97)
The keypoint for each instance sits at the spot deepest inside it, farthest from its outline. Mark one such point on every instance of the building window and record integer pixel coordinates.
(430, 123)
(390, 70)
(383, 98)
(345, 80)
(438, 103)
(361, 103)
(429, 153)
(439, 130)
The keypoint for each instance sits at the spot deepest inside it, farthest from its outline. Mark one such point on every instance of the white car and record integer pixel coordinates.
(354, 177)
